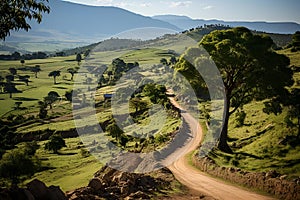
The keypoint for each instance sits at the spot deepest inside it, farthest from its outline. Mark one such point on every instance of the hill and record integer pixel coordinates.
(185, 22)
(70, 25)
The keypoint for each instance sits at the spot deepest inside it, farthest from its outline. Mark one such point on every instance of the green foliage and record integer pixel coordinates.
(240, 118)
(296, 41)
(78, 58)
(54, 74)
(156, 93)
(51, 98)
(17, 163)
(249, 67)
(72, 71)
(55, 143)
(36, 69)
(114, 130)
(15, 14)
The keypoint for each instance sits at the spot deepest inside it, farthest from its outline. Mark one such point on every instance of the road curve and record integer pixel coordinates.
(197, 180)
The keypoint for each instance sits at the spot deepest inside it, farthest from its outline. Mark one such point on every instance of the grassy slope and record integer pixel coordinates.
(258, 144)
(69, 169)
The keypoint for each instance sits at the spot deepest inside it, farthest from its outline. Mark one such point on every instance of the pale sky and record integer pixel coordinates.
(229, 10)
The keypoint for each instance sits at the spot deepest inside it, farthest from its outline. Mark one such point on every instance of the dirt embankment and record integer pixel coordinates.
(270, 182)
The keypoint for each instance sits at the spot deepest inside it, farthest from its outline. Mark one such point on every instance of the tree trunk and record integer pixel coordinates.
(223, 145)
(10, 95)
(298, 135)
(54, 79)
(35, 74)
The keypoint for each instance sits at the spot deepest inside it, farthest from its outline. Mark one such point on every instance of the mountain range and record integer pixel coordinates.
(69, 25)
(184, 22)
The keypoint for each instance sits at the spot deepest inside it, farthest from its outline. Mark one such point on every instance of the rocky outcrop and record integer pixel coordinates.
(270, 182)
(35, 190)
(112, 184)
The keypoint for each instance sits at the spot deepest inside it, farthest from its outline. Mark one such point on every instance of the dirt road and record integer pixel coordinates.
(199, 181)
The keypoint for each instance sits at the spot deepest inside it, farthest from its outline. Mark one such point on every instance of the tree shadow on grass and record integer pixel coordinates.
(66, 154)
(24, 99)
(60, 87)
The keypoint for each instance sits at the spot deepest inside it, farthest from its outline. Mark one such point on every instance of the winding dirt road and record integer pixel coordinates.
(197, 180)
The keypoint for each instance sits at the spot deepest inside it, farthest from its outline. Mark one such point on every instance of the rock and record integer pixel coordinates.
(96, 184)
(55, 193)
(138, 195)
(38, 189)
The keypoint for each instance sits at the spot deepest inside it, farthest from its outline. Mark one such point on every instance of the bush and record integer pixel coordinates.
(55, 143)
(240, 118)
(18, 163)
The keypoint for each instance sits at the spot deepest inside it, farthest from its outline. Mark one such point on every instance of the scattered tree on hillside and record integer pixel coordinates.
(9, 78)
(173, 60)
(36, 69)
(18, 104)
(25, 79)
(78, 58)
(156, 93)
(10, 88)
(296, 41)
(51, 98)
(13, 70)
(16, 14)
(164, 61)
(114, 130)
(250, 70)
(72, 71)
(293, 113)
(22, 61)
(55, 143)
(54, 74)
(137, 104)
(69, 95)
(43, 110)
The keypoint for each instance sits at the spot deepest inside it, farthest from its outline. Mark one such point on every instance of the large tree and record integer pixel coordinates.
(250, 70)
(15, 14)
(54, 74)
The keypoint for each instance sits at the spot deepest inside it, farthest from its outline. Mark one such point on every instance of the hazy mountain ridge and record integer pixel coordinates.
(76, 23)
(185, 22)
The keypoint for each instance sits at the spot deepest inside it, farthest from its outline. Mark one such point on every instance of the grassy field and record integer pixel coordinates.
(68, 169)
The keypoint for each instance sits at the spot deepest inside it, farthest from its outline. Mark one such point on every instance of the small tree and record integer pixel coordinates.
(18, 104)
(12, 70)
(78, 58)
(43, 111)
(173, 60)
(54, 74)
(164, 61)
(55, 143)
(36, 69)
(114, 130)
(22, 61)
(51, 98)
(72, 71)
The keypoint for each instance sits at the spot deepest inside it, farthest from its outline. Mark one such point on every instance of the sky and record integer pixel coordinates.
(229, 10)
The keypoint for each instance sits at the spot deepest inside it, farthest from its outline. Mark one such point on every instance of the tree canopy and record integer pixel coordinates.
(249, 68)
(55, 143)
(15, 14)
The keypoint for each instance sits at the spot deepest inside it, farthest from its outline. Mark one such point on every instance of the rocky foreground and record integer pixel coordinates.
(107, 184)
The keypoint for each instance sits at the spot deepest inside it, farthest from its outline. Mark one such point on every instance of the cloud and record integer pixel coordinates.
(207, 7)
(175, 4)
(145, 4)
